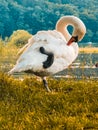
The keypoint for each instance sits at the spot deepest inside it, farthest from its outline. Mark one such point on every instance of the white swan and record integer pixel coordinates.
(49, 52)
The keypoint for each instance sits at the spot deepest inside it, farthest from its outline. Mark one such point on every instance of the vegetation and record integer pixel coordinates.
(36, 15)
(9, 48)
(72, 105)
(88, 50)
(24, 103)
(19, 38)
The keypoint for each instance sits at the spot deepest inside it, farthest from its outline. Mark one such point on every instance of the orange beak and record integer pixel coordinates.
(72, 39)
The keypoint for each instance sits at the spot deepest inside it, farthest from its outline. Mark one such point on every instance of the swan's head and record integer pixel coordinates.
(78, 31)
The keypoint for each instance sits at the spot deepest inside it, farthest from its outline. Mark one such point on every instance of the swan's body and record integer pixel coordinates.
(56, 42)
(32, 60)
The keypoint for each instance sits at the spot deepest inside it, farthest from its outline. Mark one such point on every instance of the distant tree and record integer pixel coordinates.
(56, 1)
(35, 15)
(4, 19)
(19, 38)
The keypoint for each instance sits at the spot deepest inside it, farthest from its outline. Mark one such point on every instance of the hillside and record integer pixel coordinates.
(36, 15)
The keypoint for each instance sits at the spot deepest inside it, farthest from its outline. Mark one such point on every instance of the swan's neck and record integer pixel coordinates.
(78, 27)
(61, 26)
(79, 30)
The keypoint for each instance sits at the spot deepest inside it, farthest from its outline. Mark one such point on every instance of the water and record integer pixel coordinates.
(84, 66)
(88, 44)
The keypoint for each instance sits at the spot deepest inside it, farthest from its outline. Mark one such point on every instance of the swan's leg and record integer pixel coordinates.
(46, 84)
(50, 58)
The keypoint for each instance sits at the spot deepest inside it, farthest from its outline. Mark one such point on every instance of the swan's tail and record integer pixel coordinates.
(12, 71)
(17, 69)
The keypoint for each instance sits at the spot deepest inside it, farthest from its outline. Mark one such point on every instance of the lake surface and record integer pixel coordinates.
(84, 66)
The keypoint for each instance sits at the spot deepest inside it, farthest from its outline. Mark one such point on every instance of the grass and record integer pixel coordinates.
(25, 105)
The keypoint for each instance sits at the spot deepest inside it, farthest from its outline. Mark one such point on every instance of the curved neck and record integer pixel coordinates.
(61, 26)
(78, 27)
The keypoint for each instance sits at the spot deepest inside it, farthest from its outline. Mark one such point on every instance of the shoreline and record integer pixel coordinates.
(88, 50)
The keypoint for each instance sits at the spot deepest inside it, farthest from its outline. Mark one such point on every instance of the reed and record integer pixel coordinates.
(88, 50)
(24, 104)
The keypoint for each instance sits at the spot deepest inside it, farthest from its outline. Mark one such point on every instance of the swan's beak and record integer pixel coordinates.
(72, 39)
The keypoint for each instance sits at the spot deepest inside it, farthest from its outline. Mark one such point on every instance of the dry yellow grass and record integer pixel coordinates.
(88, 50)
(25, 105)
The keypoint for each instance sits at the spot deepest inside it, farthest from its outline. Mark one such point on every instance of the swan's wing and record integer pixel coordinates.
(41, 36)
(30, 41)
(32, 58)
(22, 49)
(49, 37)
